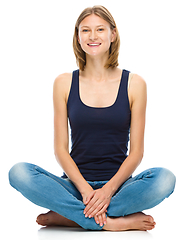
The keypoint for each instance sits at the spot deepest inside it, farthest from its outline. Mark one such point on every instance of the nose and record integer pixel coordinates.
(93, 36)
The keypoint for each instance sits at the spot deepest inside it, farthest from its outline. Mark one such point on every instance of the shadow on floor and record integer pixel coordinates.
(57, 233)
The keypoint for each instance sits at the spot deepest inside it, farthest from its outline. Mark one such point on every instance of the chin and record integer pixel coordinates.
(97, 53)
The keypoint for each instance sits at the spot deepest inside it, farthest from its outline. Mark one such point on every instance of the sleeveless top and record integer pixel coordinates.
(99, 135)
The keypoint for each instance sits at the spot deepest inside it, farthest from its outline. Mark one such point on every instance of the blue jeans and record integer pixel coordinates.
(138, 193)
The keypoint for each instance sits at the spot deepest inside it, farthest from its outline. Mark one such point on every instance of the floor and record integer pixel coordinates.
(55, 233)
(22, 232)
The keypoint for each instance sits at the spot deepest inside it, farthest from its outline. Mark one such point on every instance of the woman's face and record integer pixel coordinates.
(95, 35)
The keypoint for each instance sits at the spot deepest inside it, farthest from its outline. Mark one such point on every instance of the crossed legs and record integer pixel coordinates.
(144, 191)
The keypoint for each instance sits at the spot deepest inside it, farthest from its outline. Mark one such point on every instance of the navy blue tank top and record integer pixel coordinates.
(99, 135)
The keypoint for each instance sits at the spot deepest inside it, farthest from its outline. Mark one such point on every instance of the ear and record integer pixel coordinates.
(113, 35)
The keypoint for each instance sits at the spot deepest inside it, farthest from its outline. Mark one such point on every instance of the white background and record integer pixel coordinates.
(36, 46)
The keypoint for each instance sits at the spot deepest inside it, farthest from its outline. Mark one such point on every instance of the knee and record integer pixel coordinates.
(17, 174)
(166, 181)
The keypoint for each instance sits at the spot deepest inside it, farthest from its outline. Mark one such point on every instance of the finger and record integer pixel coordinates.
(95, 209)
(96, 219)
(100, 220)
(89, 205)
(102, 210)
(104, 218)
(92, 205)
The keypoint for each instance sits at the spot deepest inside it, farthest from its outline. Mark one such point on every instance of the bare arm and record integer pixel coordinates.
(61, 139)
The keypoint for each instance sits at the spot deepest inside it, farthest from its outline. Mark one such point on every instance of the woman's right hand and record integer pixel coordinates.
(100, 219)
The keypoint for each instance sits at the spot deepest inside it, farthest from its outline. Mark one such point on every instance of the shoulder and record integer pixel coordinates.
(62, 84)
(137, 88)
(63, 79)
(137, 82)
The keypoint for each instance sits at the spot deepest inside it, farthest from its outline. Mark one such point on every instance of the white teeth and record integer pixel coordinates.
(94, 44)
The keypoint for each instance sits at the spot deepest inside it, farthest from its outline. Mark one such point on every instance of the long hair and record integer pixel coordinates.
(114, 47)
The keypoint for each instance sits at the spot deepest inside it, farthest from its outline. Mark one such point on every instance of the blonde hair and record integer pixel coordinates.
(114, 48)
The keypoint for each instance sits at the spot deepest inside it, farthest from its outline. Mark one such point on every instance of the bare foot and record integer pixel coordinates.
(54, 219)
(136, 221)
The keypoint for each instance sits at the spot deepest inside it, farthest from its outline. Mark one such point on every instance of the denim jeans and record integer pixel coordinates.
(138, 193)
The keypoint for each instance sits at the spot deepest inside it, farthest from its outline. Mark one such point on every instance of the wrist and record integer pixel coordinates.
(85, 193)
(85, 190)
(110, 189)
(82, 186)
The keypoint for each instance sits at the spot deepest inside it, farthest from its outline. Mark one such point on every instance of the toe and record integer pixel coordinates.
(42, 220)
(150, 219)
(40, 217)
(149, 226)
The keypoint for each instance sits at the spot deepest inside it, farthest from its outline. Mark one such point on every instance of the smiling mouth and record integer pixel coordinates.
(94, 44)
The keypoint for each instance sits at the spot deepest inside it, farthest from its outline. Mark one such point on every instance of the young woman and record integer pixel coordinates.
(104, 105)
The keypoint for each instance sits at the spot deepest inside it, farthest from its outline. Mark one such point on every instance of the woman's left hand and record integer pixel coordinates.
(96, 203)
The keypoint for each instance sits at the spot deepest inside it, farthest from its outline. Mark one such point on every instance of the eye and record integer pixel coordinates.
(100, 29)
(85, 30)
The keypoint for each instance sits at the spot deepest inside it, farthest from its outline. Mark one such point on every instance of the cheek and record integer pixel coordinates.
(107, 41)
(82, 42)
(107, 37)
(81, 39)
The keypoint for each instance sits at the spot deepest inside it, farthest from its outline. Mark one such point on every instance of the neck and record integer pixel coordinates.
(95, 67)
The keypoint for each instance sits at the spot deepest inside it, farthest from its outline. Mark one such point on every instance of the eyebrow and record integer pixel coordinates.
(89, 27)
